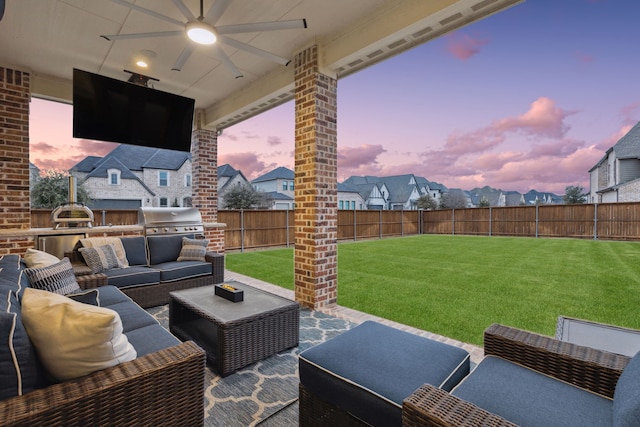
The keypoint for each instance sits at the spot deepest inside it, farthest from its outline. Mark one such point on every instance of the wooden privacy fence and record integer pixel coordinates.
(251, 229)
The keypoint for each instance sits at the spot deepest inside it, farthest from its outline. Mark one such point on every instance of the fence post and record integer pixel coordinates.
(104, 218)
(287, 226)
(453, 221)
(537, 220)
(380, 224)
(490, 221)
(241, 230)
(355, 225)
(402, 222)
(595, 221)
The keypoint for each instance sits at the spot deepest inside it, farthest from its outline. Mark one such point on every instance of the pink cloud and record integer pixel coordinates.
(274, 140)
(43, 147)
(89, 147)
(463, 46)
(247, 163)
(355, 157)
(543, 118)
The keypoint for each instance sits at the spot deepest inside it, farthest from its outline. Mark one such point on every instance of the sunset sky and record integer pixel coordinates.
(530, 98)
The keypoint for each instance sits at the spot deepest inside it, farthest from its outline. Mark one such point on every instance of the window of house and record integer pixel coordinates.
(163, 178)
(341, 205)
(290, 185)
(187, 180)
(353, 205)
(114, 176)
(284, 185)
(164, 202)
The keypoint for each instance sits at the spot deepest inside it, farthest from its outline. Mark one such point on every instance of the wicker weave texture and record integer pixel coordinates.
(233, 345)
(586, 367)
(164, 388)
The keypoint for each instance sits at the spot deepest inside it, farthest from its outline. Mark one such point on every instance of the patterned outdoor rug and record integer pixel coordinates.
(253, 394)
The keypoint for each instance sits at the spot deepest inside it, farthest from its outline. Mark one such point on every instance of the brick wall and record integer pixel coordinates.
(315, 253)
(14, 149)
(204, 156)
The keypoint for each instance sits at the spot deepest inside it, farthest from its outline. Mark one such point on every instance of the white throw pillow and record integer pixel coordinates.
(34, 258)
(73, 339)
(94, 242)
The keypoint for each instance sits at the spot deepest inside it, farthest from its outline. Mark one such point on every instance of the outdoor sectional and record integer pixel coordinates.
(153, 270)
(161, 384)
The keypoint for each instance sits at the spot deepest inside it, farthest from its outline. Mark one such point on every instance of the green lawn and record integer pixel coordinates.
(458, 285)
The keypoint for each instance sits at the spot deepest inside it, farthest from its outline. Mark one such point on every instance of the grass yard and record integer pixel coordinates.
(456, 286)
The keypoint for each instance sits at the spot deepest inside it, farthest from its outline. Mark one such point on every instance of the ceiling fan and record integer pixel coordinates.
(202, 30)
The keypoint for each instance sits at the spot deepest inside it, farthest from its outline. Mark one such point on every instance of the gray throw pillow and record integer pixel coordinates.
(193, 249)
(57, 278)
(100, 258)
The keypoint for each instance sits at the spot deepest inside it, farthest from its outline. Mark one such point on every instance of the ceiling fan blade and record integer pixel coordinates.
(184, 56)
(141, 35)
(215, 11)
(248, 48)
(262, 26)
(219, 53)
(148, 12)
(185, 11)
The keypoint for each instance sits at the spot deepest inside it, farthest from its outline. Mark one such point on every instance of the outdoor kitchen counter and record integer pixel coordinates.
(106, 230)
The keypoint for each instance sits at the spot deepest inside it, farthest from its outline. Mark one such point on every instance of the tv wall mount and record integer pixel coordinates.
(140, 79)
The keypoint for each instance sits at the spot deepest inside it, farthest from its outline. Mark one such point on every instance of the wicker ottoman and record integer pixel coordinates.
(363, 375)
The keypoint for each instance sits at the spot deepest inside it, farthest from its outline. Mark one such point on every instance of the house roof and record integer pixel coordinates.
(628, 147)
(274, 195)
(278, 173)
(102, 166)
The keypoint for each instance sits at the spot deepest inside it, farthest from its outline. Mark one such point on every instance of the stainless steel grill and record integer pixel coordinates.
(157, 221)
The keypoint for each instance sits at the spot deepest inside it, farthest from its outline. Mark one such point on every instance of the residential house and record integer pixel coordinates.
(487, 196)
(350, 198)
(399, 191)
(371, 189)
(533, 197)
(431, 189)
(278, 186)
(133, 176)
(513, 198)
(616, 177)
(229, 178)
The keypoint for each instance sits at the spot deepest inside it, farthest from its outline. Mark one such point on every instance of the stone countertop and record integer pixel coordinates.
(83, 230)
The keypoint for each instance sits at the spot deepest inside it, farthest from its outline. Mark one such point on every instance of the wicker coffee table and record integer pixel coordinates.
(237, 334)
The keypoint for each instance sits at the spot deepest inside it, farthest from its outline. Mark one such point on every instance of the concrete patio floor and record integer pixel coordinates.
(355, 316)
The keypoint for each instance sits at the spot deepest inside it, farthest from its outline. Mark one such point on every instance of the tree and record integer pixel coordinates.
(52, 190)
(245, 197)
(453, 200)
(426, 202)
(574, 194)
(484, 203)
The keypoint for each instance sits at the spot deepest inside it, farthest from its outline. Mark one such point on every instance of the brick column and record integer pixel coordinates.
(204, 170)
(15, 94)
(315, 253)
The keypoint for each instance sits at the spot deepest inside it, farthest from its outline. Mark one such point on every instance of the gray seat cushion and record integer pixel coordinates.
(150, 339)
(626, 399)
(528, 398)
(132, 276)
(178, 270)
(369, 370)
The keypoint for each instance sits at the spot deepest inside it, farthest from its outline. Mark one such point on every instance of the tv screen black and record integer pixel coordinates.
(107, 109)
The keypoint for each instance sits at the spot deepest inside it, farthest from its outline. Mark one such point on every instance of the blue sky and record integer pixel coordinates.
(529, 98)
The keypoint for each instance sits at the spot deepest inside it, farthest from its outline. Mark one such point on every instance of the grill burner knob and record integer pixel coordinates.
(166, 230)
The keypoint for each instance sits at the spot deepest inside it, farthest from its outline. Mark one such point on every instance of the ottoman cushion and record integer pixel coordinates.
(369, 370)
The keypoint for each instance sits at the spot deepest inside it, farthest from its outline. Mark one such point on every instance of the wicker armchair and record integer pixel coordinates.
(164, 388)
(585, 367)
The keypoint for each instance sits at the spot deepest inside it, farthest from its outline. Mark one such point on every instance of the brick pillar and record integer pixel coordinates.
(15, 94)
(204, 170)
(315, 253)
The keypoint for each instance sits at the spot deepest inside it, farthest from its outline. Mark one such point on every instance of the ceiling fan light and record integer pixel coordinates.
(201, 33)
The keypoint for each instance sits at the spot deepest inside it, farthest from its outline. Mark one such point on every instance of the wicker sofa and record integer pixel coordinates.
(153, 270)
(161, 386)
(548, 381)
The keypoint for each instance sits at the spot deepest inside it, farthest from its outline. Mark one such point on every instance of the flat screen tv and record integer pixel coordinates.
(107, 109)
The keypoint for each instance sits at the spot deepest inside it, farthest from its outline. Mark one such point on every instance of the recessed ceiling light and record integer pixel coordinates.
(141, 63)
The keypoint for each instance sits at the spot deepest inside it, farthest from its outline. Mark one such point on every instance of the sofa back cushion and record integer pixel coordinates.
(626, 398)
(136, 250)
(20, 370)
(165, 248)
